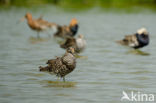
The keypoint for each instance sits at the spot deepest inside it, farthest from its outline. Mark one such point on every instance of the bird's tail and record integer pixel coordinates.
(43, 69)
(63, 46)
(120, 41)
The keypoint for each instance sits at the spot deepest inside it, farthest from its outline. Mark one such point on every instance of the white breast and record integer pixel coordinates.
(81, 43)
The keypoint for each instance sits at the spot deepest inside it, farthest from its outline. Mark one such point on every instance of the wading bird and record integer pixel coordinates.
(137, 40)
(61, 66)
(67, 31)
(38, 24)
(78, 43)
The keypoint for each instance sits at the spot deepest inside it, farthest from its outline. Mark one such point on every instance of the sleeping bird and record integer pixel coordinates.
(137, 40)
(79, 43)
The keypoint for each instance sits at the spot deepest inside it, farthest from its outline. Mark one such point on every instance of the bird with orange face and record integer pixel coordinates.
(67, 31)
(39, 24)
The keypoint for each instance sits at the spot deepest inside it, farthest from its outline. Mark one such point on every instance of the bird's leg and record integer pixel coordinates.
(64, 79)
(48, 34)
(38, 35)
(58, 78)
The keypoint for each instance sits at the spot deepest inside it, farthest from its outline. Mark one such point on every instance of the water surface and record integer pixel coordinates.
(101, 77)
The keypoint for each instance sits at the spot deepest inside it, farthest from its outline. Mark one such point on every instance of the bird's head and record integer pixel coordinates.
(80, 36)
(71, 50)
(142, 31)
(28, 15)
(73, 22)
(73, 26)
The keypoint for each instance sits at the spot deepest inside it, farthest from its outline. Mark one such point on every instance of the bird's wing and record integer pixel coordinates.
(42, 22)
(68, 59)
(70, 42)
(51, 61)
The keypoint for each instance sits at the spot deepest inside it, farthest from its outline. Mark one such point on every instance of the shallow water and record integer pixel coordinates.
(106, 70)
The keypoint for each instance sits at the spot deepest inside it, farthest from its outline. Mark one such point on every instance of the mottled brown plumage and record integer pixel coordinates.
(78, 43)
(67, 31)
(137, 40)
(61, 66)
(129, 40)
(70, 42)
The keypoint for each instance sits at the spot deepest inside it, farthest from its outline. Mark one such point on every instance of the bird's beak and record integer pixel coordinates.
(20, 20)
(73, 50)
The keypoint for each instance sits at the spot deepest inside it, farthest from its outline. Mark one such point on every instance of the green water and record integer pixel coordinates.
(100, 78)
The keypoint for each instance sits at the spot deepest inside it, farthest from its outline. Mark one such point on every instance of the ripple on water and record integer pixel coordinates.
(34, 40)
(6, 95)
(66, 95)
(67, 84)
(138, 52)
(27, 74)
(141, 78)
(131, 85)
(140, 72)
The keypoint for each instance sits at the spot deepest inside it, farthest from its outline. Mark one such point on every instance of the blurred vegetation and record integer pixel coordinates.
(81, 4)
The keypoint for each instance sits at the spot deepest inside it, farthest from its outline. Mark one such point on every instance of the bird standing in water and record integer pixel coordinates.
(38, 24)
(137, 40)
(78, 43)
(67, 31)
(61, 66)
